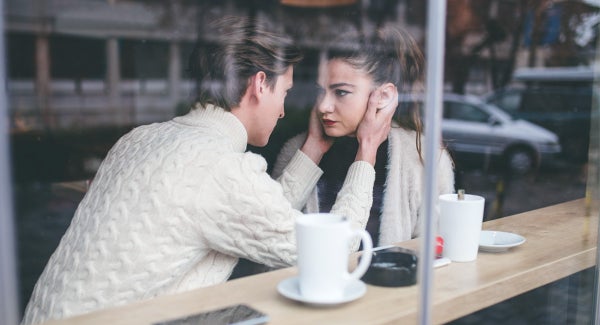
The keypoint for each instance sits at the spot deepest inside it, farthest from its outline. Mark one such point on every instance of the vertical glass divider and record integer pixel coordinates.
(593, 181)
(436, 24)
(8, 276)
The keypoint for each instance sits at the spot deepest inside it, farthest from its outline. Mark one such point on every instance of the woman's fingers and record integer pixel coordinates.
(383, 105)
(374, 102)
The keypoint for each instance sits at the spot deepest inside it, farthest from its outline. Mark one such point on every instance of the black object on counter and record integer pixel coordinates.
(392, 267)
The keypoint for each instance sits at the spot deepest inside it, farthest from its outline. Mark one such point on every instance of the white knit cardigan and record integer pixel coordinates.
(172, 207)
(402, 198)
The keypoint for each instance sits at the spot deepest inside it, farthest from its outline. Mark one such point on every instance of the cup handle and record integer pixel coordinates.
(365, 258)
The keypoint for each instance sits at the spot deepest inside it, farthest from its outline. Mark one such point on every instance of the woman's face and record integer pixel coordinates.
(343, 95)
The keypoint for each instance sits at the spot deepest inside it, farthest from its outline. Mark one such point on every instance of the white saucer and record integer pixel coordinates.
(498, 241)
(290, 289)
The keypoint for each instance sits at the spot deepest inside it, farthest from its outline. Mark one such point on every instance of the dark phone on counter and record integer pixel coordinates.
(231, 315)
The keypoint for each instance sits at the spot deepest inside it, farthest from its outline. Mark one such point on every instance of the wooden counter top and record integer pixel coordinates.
(560, 241)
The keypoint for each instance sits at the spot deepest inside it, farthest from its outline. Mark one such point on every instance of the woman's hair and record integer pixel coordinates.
(389, 55)
(235, 50)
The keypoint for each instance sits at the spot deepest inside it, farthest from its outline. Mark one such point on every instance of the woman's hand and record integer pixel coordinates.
(317, 142)
(376, 123)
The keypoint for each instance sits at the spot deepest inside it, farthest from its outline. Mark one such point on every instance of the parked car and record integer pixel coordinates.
(558, 99)
(477, 132)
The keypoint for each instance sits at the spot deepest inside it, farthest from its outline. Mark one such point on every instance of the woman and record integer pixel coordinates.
(387, 61)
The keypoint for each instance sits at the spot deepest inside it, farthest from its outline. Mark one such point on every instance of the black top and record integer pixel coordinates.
(335, 164)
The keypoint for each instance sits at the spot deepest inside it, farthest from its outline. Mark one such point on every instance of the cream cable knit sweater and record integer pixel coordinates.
(172, 207)
(402, 198)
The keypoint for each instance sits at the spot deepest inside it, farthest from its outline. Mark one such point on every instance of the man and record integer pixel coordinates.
(175, 204)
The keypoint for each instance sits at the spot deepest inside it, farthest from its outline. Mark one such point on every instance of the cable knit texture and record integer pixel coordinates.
(171, 208)
(402, 198)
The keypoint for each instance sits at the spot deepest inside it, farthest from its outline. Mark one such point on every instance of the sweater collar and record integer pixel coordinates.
(220, 119)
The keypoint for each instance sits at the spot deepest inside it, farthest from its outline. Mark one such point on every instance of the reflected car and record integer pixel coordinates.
(558, 99)
(475, 131)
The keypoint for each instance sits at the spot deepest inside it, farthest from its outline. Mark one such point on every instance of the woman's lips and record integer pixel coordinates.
(328, 122)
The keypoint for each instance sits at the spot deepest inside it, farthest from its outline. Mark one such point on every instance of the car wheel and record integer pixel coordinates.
(520, 161)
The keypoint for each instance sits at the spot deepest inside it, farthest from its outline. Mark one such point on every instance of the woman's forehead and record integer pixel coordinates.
(337, 70)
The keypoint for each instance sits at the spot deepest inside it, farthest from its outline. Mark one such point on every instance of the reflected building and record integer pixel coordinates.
(90, 63)
(87, 63)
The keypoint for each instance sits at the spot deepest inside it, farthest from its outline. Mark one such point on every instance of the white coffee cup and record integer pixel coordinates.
(460, 226)
(323, 241)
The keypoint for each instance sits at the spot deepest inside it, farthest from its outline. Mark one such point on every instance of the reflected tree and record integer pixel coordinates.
(527, 26)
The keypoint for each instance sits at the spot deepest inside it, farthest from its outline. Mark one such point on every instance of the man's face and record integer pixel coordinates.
(271, 109)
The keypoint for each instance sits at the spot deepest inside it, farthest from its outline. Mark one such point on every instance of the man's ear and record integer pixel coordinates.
(256, 87)
(388, 92)
(260, 79)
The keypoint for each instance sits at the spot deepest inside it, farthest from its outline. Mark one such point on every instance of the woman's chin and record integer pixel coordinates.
(339, 134)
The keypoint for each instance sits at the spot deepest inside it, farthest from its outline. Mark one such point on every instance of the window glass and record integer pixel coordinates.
(81, 74)
(464, 112)
(509, 101)
(139, 57)
(19, 52)
(80, 58)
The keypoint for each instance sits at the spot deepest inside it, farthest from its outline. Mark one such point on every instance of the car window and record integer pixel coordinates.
(464, 112)
(510, 101)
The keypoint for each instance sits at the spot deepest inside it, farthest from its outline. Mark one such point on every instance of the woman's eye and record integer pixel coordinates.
(341, 93)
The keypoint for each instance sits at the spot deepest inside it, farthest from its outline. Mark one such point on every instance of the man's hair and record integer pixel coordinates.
(237, 49)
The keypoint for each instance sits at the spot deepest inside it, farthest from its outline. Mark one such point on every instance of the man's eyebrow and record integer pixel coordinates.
(340, 84)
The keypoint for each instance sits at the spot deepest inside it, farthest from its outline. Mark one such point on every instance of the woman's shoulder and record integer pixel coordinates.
(403, 133)
(405, 139)
(287, 152)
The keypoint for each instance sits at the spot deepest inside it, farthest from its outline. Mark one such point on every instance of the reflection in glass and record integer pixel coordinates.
(80, 74)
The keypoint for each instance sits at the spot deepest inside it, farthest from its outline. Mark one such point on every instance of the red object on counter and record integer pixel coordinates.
(439, 246)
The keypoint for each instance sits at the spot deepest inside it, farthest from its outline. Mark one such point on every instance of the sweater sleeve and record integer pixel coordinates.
(247, 214)
(356, 196)
(298, 179)
(251, 218)
(288, 150)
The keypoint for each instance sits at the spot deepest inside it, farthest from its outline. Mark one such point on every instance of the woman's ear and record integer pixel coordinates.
(388, 93)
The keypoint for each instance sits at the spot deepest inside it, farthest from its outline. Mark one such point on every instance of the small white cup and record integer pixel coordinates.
(460, 226)
(323, 241)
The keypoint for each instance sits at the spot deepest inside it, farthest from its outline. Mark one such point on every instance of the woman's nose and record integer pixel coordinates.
(325, 104)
